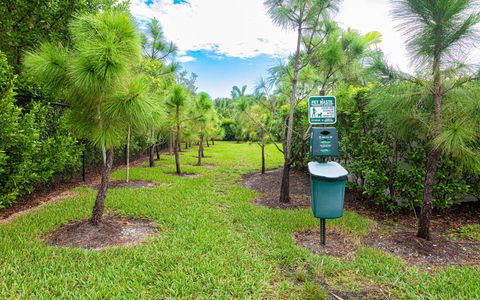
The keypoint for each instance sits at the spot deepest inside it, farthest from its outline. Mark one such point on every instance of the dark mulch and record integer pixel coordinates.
(271, 201)
(188, 175)
(131, 184)
(440, 251)
(112, 231)
(337, 243)
(397, 229)
(209, 166)
(206, 156)
(270, 182)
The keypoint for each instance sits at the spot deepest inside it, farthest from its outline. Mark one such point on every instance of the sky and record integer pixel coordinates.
(233, 42)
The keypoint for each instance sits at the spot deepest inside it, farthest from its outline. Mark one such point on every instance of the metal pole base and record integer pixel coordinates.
(322, 232)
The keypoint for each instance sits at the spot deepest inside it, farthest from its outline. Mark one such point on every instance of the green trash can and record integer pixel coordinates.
(327, 189)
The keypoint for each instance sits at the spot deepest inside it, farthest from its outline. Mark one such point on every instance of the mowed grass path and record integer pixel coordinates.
(213, 244)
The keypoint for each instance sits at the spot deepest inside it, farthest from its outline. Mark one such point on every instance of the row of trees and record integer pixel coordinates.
(118, 84)
(391, 122)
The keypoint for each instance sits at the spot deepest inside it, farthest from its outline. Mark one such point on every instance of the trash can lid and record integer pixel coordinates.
(331, 171)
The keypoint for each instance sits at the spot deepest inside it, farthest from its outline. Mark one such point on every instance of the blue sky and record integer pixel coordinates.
(233, 42)
(218, 73)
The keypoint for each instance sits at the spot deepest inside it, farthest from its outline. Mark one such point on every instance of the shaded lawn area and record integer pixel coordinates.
(212, 243)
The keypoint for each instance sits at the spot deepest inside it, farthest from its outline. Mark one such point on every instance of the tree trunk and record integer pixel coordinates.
(170, 143)
(434, 155)
(285, 187)
(104, 154)
(213, 142)
(127, 155)
(186, 145)
(157, 147)
(177, 142)
(102, 189)
(263, 151)
(200, 151)
(152, 149)
(208, 145)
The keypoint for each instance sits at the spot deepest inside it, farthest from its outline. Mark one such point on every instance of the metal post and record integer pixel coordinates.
(322, 232)
(84, 163)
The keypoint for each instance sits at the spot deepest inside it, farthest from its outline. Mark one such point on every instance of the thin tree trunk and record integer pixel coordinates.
(152, 148)
(157, 147)
(200, 151)
(285, 186)
(127, 155)
(208, 145)
(98, 209)
(434, 155)
(104, 154)
(170, 143)
(263, 151)
(177, 142)
(213, 142)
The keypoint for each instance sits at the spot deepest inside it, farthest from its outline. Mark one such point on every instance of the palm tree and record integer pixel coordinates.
(437, 32)
(238, 93)
(305, 17)
(90, 76)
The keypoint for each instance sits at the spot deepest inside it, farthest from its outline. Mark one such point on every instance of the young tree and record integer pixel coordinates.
(88, 75)
(202, 112)
(304, 16)
(156, 50)
(175, 104)
(437, 31)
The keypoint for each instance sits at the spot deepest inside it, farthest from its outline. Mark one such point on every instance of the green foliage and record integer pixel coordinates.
(27, 23)
(94, 76)
(230, 128)
(471, 232)
(34, 145)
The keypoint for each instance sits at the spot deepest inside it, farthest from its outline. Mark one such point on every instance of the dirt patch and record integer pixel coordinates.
(131, 184)
(112, 231)
(440, 251)
(206, 156)
(270, 182)
(338, 243)
(271, 201)
(187, 175)
(208, 166)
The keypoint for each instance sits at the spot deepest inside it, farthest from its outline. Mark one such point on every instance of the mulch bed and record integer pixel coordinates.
(439, 251)
(270, 182)
(337, 243)
(187, 175)
(268, 185)
(398, 235)
(209, 166)
(131, 184)
(271, 201)
(112, 231)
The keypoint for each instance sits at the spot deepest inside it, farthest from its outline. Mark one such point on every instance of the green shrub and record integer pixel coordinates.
(34, 144)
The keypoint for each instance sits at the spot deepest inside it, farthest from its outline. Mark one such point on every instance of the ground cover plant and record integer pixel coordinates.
(196, 218)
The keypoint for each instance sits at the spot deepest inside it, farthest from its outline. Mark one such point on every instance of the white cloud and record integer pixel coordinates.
(374, 15)
(185, 58)
(231, 28)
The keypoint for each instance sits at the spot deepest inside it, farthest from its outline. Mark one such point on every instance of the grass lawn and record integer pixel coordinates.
(212, 244)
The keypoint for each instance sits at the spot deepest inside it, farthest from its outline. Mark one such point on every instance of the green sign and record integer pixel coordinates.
(322, 110)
